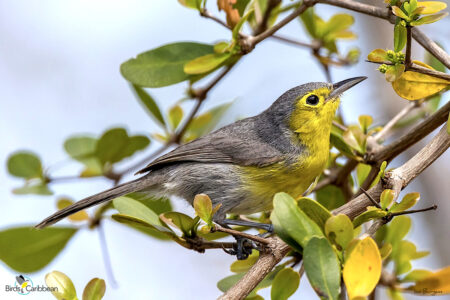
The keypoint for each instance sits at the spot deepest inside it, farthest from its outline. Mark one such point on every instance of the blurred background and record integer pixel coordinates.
(59, 75)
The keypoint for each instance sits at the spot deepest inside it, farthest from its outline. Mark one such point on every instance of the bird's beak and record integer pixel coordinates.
(342, 86)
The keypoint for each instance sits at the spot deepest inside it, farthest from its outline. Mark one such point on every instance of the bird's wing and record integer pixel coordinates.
(220, 148)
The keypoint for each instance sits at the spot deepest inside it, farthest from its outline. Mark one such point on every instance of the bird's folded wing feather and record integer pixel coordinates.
(220, 149)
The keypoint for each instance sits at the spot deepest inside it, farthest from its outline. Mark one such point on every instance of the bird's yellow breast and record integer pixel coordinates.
(293, 178)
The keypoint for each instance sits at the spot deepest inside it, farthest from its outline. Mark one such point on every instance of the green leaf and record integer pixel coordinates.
(397, 229)
(365, 121)
(339, 230)
(206, 63)
(157, 205)
(95, 289)
(386, 198)
(131, 207)
(151, 107)
(408, 201)
(80, 147)
(163, 66)
(330, 197)
(337, 141)
(24, 164)
(380, 174)
(35, 189)
(322, 268)
(429, 19)
(394, 72)
(293, 221)
(115, 145)
(399, 37)
(314, 210)
(175, 116)
(64, 288)
(362, 171)
(237, 28)
(285, 284)
(402, 254)
(27, 250)
(242, 266)
(338, 22)
(183, 222)
(355, 138)
(308, 19)
(195, 4)
(416, 275)
(110, 145)
(399, 13)
(378, 55)
(371, 214)
(203, 208)
(207, 121)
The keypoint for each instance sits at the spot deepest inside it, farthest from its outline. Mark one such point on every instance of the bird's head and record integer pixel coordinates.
(310, 107)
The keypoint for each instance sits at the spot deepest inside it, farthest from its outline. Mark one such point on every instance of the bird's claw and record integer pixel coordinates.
(243, 248)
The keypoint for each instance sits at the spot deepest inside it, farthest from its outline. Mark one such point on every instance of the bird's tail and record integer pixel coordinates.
(117, 191)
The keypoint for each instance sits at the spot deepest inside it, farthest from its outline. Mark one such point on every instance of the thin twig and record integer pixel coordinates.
(389, 125)
(260, 37)
(415, 134)
(295, 42)
(413, 211)
(370, 198)
(105, 255)
(252, 237)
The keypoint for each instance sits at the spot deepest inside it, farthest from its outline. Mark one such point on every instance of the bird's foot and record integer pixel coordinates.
(243, 248)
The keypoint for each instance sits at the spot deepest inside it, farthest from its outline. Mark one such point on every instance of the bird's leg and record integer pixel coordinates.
(267, 227)
(244, 246)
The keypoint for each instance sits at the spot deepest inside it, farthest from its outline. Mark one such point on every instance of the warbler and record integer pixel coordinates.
(243, 165)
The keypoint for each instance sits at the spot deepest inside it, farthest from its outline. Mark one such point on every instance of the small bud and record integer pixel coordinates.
(390, 54)
(383, 68)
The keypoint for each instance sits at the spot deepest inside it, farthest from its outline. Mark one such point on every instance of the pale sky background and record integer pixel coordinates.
(59, 75)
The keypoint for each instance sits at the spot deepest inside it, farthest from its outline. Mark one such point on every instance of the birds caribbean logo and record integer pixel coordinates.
(243, 165)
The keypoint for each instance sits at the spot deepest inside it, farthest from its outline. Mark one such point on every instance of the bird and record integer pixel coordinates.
(241, 166)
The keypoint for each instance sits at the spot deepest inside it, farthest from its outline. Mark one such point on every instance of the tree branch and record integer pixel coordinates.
(258, 271)
(418, 132)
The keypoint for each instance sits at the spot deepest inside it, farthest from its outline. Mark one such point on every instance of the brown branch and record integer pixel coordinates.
(399, 178)
(258, 271)
(431, 46)
(418, 132)
(408, 61)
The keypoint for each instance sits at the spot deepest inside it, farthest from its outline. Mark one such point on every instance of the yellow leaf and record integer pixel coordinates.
(431, 7)
(362, 269)
(378, 55)
(437, 283)
(76, 217)
(414, 86)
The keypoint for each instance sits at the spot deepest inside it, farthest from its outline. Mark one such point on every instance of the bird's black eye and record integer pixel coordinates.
(312, 100)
